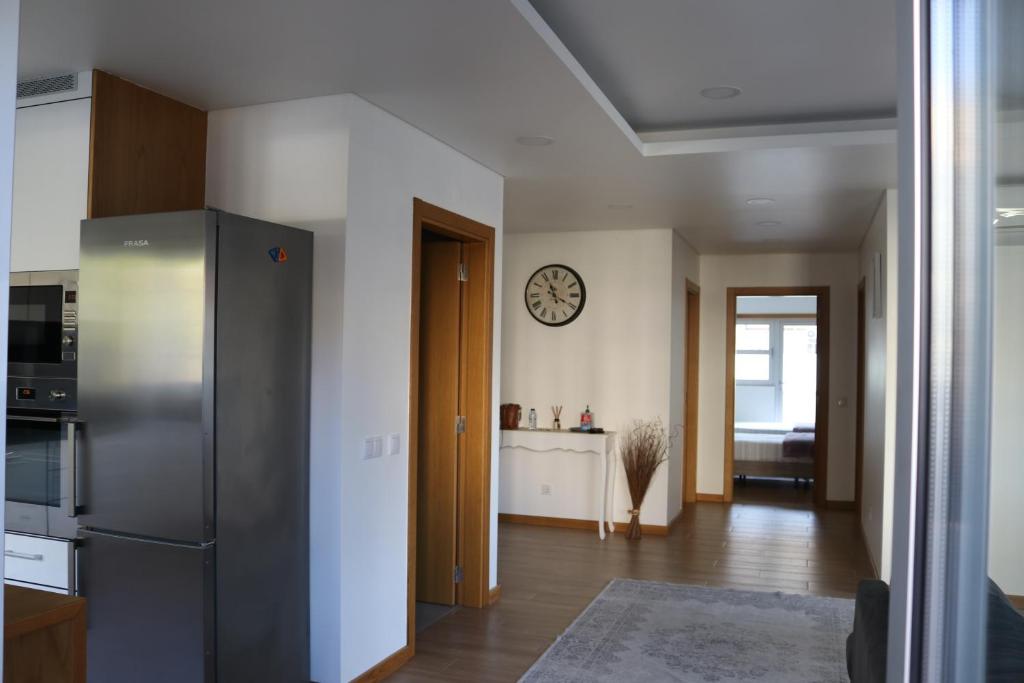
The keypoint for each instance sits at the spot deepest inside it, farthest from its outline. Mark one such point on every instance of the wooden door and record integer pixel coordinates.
(475, 405)
(438, 456)
(692, 369)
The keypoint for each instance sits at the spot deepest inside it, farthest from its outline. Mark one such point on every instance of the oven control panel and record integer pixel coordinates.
(42, 393)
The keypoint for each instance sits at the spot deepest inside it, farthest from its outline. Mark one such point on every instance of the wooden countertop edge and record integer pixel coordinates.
(38, 620)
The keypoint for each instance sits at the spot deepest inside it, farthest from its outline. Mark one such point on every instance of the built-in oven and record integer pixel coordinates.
(42, 401)
(41, 459)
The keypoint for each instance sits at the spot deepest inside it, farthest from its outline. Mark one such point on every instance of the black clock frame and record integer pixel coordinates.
(576, 313)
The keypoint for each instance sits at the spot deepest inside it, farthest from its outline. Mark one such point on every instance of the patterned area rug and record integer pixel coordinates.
(648, 631)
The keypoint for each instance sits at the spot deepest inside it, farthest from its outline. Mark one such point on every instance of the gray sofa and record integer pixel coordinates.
(866, 647)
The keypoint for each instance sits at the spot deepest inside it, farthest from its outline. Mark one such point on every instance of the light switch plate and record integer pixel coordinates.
(373, 447)
(394, 444)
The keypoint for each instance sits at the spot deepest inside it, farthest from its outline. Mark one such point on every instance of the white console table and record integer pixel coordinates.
(566, 441)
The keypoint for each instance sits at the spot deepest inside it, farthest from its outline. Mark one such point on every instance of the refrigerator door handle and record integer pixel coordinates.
(69, 466)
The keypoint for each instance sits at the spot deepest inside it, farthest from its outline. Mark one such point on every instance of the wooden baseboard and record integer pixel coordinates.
(494, 595)
(1017, 601)
(676, 519)
(570, 523)
(710, 497)
(558, 522)
(383, 669)
(840, 505)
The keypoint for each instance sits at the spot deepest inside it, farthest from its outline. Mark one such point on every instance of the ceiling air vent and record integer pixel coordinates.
(48, 86)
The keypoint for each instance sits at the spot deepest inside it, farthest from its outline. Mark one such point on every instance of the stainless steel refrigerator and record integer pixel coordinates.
(194, 360)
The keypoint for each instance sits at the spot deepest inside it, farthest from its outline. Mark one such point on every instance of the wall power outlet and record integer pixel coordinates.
(545, 489)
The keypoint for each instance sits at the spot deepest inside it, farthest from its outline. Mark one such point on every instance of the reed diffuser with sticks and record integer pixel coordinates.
(643, 447)
(556, 424)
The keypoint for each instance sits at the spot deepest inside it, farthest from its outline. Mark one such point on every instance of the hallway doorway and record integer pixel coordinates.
(450, 415)
(777, 355)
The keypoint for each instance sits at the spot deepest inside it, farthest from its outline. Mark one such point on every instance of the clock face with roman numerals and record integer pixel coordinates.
(555, 295)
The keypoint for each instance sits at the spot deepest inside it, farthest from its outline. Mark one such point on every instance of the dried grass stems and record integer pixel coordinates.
(643, 447)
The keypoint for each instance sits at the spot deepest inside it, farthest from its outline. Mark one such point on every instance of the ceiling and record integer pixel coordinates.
(477, 75)
(793, 60)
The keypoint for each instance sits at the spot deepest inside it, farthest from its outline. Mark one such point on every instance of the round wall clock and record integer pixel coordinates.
(555, 295)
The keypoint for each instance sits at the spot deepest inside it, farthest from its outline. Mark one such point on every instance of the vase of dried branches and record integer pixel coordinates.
(643, 447)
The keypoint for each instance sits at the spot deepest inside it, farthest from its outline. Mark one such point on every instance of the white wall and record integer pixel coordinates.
(390, 164)
(1006, 552)
(349, 171)
(616, 357)
(718, 272)
(880, 386)
(685, 266)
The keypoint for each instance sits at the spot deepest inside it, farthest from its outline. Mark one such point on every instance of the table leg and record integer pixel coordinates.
(604, 499)
(610, 471)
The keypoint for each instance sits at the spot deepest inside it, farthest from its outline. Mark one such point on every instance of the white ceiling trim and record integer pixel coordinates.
(710, 140)
(735, 138)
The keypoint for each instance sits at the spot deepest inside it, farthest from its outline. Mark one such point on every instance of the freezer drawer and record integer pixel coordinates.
(45, 562)
(151, 609)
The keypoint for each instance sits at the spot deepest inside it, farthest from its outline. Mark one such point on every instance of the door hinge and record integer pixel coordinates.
(460, 424)
(458, 574)
(463, 272)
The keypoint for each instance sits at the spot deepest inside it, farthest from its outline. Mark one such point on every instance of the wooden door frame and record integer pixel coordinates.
(691, 384)
(858, 489)
(474, 519)
(821, 426)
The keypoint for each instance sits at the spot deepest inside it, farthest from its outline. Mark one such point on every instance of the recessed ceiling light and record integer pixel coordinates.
(534, 140)
(720, 92)
(769, 224)
(760, 201)
(620, 207)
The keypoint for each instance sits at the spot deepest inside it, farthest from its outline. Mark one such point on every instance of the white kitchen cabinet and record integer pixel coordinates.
(38, 561)
(51, 184)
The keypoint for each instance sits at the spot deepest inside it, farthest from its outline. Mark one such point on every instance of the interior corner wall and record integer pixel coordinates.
(880, 385)
(1006, 552)
(836, 271)
(287, 162)
(614, 357)
(349, 171)
(390, 163)
(685, 266)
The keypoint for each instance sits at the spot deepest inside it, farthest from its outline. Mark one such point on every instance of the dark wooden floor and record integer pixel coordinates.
(548, 576)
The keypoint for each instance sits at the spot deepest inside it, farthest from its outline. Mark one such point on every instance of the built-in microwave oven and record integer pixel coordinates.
(42, 346)
(42, 401)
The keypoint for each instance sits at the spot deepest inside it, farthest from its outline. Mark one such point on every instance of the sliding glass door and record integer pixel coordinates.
(958, 543)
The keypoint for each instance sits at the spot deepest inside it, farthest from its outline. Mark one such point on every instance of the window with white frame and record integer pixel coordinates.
(776, 370)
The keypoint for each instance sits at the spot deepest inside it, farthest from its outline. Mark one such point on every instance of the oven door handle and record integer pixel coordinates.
(69, 465)
(36, 418)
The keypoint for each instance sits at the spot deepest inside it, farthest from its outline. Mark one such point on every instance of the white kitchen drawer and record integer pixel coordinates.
(37, 560)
